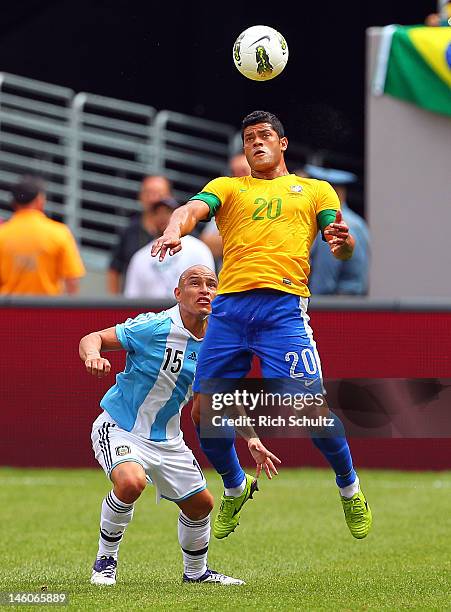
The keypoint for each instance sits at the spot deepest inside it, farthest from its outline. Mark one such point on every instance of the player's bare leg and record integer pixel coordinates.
(129, 480)
(194, 537)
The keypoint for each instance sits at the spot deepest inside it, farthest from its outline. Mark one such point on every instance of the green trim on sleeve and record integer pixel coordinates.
(324, 218)
(213, 202)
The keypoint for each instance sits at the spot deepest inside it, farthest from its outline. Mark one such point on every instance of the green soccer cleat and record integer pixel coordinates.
(357, 514)
(229, 512)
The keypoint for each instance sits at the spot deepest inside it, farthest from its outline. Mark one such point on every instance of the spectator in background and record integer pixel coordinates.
(38, 256)
(147, 277)
(140, 231)
(238, 167)
(443, 18)
(330, 276)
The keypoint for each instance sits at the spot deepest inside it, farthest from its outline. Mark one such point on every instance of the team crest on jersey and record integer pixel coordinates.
(296, 188)
(122, 450)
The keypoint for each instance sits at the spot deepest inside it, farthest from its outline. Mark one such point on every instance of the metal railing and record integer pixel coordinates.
(112, 149)
(93, 152)
(35, 137)
(191, 151)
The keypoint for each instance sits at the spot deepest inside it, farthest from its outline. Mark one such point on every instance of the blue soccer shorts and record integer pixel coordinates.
(270, 324)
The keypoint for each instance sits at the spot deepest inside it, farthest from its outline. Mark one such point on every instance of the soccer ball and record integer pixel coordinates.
(260, 53)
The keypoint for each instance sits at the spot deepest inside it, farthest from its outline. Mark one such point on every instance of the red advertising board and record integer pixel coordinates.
(48, 402)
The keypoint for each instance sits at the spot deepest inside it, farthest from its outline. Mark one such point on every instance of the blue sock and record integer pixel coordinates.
(336, 451)
(222, 455)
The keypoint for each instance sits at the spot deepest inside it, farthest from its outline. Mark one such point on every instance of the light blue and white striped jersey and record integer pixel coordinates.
(157, 381)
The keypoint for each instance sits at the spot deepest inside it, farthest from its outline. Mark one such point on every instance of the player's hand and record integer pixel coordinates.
(97, 366)
(337, 233)
(168, 241)
(264, 459)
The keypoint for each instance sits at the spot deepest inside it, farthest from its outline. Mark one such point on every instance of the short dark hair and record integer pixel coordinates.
(26, 190)
(260, 116)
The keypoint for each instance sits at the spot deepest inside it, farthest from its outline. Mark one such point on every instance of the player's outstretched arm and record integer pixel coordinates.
(91, 346)
(340, 241)
(183, 220)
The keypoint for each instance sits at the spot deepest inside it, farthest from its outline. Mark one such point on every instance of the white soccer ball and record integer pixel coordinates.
(260, 53)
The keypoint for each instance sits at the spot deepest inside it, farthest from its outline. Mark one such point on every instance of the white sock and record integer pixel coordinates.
(114, 519)
(236, 491)
(194, 537)
(351, 489)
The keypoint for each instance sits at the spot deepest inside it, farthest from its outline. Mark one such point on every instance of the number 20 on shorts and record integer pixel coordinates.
(308, 361)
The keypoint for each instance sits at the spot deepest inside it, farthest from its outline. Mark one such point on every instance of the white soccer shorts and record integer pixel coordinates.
(172, 469)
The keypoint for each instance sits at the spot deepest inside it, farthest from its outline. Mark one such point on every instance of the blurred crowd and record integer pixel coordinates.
(39, 256)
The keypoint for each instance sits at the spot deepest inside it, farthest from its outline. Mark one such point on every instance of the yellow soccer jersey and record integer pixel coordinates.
(267, 227)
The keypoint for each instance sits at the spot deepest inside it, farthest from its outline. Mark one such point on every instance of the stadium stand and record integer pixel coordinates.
(93, 151)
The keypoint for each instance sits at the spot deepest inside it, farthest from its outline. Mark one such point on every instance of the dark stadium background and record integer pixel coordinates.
(178, 56)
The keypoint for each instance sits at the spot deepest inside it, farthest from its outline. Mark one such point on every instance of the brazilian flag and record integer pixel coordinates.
(419, 67)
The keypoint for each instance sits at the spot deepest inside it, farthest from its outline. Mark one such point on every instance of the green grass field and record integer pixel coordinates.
(292, 548)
